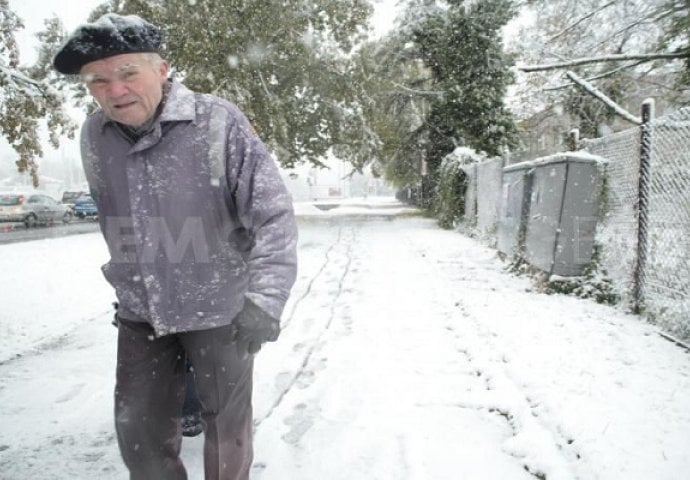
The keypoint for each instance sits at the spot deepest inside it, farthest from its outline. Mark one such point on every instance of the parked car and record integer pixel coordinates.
(68, 198)
(32, 209)
(84, 206)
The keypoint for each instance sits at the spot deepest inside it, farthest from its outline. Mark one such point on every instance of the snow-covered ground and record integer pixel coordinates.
(407, 352)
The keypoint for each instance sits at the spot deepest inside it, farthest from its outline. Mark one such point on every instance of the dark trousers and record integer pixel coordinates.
(149, 394)
(191, 405)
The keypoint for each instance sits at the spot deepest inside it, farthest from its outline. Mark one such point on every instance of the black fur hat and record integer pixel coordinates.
(112, 34)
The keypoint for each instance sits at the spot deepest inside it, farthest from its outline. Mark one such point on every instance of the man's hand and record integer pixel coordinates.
(255, 327)
(115, 320)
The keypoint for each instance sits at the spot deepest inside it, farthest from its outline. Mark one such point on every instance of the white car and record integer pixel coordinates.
(32, 209)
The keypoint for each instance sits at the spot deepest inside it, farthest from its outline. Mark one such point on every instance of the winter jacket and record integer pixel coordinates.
(195, 215)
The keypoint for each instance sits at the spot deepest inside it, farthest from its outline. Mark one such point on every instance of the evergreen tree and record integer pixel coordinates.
(462, 47)
(437, 82)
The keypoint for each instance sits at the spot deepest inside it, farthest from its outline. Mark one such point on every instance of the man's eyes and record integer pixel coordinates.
(126, 75)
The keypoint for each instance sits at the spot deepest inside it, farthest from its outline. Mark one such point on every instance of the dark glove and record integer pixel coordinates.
(115, 321)
(255, 327)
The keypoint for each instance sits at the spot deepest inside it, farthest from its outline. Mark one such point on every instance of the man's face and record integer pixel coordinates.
(128, 87)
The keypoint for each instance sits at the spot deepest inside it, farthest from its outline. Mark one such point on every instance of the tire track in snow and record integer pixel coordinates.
(55, 342)
(530, 437)
(506, 399)
(59, 341)
(69, 418)
(327, 261)
(545, 452)
(317, 341)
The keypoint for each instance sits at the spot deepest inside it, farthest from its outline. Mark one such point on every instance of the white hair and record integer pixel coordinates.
(153, 58)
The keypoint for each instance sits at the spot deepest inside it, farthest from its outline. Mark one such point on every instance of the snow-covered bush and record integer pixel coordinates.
(593, 283)
(449, 201)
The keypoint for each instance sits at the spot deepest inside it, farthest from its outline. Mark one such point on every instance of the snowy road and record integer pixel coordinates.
(17, 232)
(407, 352)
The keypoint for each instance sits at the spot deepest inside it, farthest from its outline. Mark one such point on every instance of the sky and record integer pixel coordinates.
(34, 12)
(407, 352)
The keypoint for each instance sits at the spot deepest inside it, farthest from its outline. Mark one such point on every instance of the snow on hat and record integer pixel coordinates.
(112, 34)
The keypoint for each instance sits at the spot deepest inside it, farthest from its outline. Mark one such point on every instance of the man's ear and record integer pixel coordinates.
(163, 70)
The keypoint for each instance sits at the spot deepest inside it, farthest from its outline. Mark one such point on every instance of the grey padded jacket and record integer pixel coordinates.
(195, 215)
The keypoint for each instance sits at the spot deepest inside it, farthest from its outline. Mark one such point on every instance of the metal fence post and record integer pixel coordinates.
(644, 184)
(574, 140)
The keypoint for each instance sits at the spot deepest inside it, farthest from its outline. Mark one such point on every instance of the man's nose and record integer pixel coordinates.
(117, 88)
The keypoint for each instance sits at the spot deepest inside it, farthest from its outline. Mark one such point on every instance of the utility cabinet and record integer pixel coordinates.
(513, 210)
(558, 200)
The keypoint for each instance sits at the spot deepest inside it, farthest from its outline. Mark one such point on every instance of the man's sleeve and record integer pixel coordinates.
(264, 207)
(88, 160)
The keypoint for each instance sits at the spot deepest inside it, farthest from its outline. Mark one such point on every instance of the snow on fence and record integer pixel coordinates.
(471, 195)
(489, 177)
(617, 228)
(482, 204)
(644, 225)
(666, 276)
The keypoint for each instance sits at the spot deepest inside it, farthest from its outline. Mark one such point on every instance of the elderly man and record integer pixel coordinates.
(202, 242)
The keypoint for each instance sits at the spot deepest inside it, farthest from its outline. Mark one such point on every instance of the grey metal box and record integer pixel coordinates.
(514, 201)
(563, 212)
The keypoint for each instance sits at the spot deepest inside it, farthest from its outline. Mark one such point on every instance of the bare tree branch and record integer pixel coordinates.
(644, 57)
(579, 21)
(596, 93)
(596, 77)
(653, 18)
(418, 92)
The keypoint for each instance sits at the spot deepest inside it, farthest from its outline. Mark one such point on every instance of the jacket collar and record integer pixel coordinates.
(180, 104)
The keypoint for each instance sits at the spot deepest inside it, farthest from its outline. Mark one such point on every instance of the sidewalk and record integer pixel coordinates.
(407, 352)
(437, 364)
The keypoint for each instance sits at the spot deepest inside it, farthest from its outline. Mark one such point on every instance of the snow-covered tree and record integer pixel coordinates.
(615, 45)
(392, 88)
(284, 63)
(436, 82)
(460, 43)
(677, 38)
(27, 96)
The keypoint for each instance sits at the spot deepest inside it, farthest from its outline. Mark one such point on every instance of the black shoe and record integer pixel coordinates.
(191, 425)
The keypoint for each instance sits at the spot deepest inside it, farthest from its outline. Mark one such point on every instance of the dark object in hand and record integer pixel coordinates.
(255, 327)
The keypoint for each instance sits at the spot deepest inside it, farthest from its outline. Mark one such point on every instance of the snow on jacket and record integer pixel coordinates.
(195, 215)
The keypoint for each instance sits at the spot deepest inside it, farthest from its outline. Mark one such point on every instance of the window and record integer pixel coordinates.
(10, 200)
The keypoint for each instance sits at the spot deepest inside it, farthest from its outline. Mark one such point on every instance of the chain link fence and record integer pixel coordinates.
(665, 277)
(644, 229)
(643, 232)
(617, 228)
